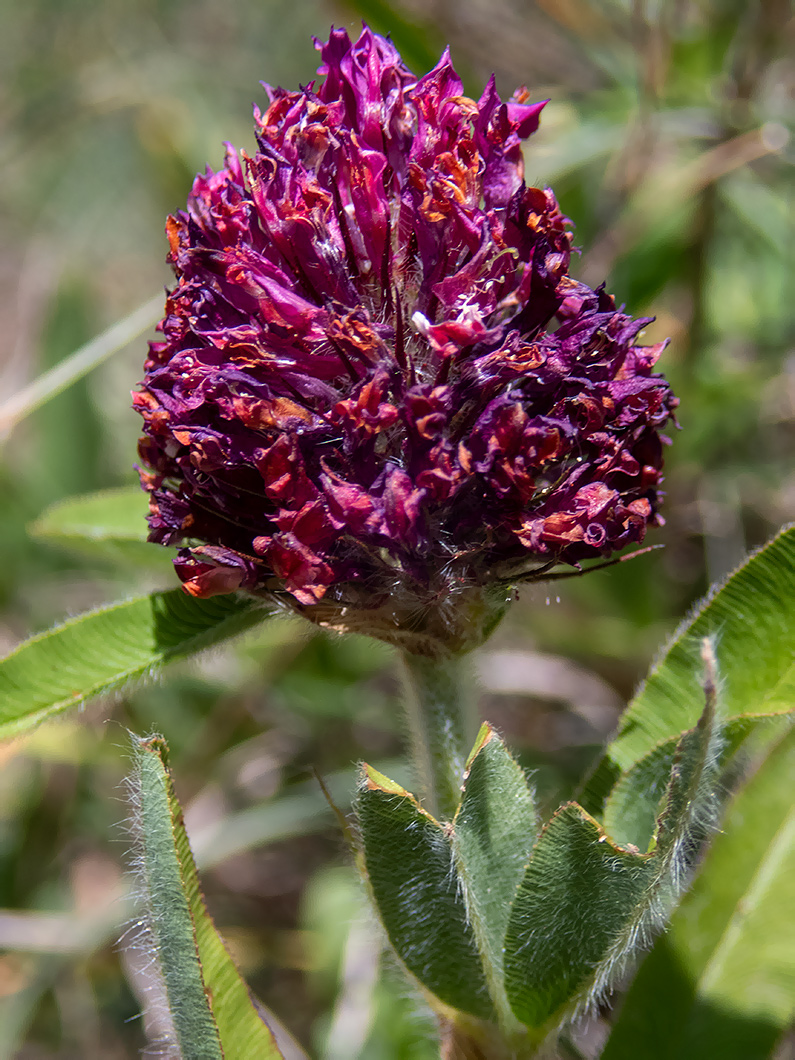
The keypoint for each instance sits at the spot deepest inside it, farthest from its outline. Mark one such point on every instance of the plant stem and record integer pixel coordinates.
(438, 712)
(465, 1040)
(568, 1050)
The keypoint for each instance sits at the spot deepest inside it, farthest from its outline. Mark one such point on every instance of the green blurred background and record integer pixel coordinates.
(668, 142)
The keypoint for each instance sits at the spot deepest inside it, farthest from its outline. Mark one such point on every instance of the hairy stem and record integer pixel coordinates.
(439, 713)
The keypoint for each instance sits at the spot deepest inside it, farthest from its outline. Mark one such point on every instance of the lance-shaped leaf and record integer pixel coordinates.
(444, 892)
(414, 882)
(109, 648)
(631, 810)
(586, 902)
(212, 1015)
(721, 981)
(688, 808)
(168, 931)
(110, 524)
(754, 617)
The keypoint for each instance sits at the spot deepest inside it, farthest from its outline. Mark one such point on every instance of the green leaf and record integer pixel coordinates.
(168, 929)
(461, 877)
(413, 879)
(586, 902)
(631, 810)
(633, 805)
(689, 798)
(211, 1010)
(753, 617)
(106, 649)
(492, 837)
(721, 982)
(110, 523)
(579, 891)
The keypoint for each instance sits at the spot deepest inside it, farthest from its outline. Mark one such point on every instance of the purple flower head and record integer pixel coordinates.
(377, 385)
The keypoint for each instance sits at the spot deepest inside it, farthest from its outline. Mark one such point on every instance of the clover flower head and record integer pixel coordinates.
(378, 386)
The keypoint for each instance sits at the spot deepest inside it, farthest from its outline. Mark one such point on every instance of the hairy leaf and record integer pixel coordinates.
(753, 618)
(168, 931)
(493, 834)
(412, 874)
(211, 1010)
(631, 811)
(586, 902)
(721, 981)
(579, 891)
(111, 647)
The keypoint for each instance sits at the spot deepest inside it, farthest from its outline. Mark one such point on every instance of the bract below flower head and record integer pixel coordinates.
(378, 388)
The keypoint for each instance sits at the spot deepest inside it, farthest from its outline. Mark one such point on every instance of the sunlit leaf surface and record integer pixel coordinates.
(111, 648)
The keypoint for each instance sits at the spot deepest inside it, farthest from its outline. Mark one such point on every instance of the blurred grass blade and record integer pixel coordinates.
(211, 1010)
(721, 982)
(108, 524)
(760, 208)
(79, 363)
(753, 617)
(106, 649)
(555, 155)
(18, 1007)
(302, 809)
